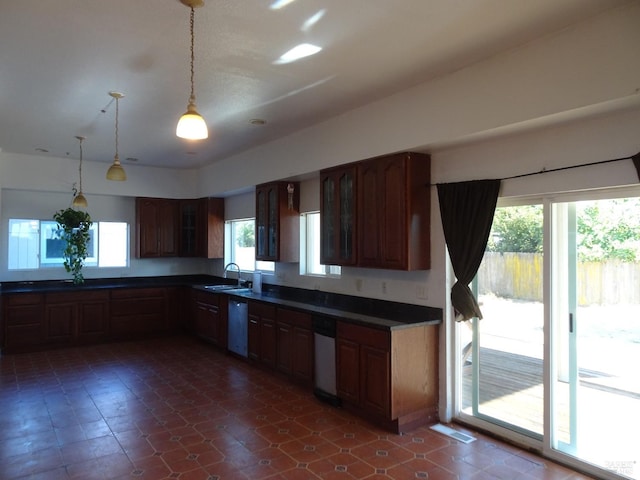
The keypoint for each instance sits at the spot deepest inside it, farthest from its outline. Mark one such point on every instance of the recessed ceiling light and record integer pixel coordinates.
(257, 121)
(278, 4)
(298, 52)
(312, 20)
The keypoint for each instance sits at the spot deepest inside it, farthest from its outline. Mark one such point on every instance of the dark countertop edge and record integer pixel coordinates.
(195, 281)
(352, 317)
(44, 286)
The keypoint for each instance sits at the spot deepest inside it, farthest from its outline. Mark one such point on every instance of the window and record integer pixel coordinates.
(36, 244)
(52, 246)
(240, 246)
(310, 247)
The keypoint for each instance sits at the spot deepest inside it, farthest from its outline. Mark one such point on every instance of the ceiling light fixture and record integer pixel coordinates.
(191, 125)
(79, 201)
(296, 53)
(116, 172)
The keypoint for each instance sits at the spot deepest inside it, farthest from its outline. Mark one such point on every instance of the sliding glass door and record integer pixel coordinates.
(595, 318)
(555, 357)
(502, 372)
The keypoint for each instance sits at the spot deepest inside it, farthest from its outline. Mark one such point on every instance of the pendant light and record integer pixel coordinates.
(79, 201)
(191, 125)
(116, 172)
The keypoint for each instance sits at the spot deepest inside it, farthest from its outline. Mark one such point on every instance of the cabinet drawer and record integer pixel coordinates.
(78, 296)
(137, 293)
(23, 299)
(21, 315)
(208, 298)
(364, 335)
(294, 318)
(262, 310)
(141, 306)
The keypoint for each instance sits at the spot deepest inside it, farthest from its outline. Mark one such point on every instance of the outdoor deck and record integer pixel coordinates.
(511, 390)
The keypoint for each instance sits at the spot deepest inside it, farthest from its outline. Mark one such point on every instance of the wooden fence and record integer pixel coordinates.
(519, 275)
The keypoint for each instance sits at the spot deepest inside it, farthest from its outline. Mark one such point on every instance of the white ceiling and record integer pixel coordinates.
(59, 59)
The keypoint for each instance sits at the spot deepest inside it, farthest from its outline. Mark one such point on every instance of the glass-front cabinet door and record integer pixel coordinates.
(261, 222)
(272, 222)
(337, 212)
(278, 222)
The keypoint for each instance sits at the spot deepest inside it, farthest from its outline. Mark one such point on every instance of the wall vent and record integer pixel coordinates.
(450, 432)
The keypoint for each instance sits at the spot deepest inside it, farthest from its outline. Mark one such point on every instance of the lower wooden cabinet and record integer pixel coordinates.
(281, 339)
(138, 312)
(210, 319)
(76, 317)
(33, 321)
(22, 315)
(363, 367)
(295, 345)
(388, 376)
(262, 334)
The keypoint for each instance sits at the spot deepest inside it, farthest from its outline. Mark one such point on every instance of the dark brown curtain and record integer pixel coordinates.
(467, 209)
(636, 162)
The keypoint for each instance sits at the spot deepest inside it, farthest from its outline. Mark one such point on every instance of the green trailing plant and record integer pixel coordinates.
(74, 229)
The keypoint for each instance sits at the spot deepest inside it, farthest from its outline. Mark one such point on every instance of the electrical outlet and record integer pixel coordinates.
(384, 287)
(421, 292)
(358, 284)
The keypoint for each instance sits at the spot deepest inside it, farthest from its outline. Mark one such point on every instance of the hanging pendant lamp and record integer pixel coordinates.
(79, 201)
(191, 125)
(116, 172)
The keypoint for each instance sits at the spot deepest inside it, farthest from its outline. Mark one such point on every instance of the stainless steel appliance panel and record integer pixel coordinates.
(238, 327)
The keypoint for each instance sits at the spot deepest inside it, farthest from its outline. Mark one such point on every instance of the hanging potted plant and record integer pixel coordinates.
(74, 230)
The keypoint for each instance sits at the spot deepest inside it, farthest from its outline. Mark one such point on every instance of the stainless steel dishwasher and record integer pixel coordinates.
(238, 326)
(324, 342)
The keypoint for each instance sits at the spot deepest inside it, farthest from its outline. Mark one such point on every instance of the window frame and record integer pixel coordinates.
(310, 250)
(46, 228)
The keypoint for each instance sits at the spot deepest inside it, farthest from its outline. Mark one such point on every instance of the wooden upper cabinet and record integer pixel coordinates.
(189, 215)
(376, 213)
(394, 212)
(185, 228)
(202, 228)
(210, 239)
(156, 227)
(338, 216)
(277, 222)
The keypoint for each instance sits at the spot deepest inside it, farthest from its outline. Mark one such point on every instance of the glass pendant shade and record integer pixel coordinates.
(191, 125)
(116, 172)
(79, 201)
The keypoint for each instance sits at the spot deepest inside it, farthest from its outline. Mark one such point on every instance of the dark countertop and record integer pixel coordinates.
(365, 311)
(375, 313)
(45, 286)
(353, 317)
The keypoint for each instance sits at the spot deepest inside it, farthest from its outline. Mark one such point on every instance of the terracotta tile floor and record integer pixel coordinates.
(178, 409)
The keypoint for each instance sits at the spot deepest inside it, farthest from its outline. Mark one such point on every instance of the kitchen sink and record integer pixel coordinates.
(218, 288)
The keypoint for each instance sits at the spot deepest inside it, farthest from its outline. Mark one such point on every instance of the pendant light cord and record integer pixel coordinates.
(80, 167)
(192, 98)
(117, 108)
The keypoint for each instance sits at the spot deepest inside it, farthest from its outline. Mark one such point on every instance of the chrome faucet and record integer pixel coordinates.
(226, 269)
